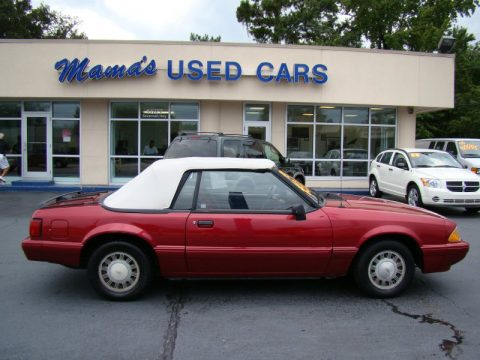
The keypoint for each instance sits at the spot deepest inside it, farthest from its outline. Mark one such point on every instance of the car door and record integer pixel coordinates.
(243, 225)
(400, 173)
(383, 169)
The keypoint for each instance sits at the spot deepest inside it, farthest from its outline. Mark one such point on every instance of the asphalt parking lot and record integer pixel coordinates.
(50, 312)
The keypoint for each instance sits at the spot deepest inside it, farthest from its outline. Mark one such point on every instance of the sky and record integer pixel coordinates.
(167, 19)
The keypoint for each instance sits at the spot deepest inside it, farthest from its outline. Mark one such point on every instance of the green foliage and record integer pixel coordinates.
(464, 119)
(18, 20)
(206, 37)
(296, 22)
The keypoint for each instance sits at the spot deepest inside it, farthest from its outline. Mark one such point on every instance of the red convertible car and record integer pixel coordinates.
(222, 217)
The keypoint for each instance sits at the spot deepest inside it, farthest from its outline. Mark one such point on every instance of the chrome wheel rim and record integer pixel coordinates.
(386, 270)
(413, 197)
(119, 272)
(373, 188)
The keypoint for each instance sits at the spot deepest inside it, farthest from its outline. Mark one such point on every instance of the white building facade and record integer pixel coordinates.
(84, 112)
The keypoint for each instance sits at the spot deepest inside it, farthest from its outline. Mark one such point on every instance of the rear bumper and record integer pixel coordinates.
(441, 257)
(63, 253)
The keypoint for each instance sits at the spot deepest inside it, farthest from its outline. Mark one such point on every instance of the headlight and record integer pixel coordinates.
(455, 236)
(433, 183)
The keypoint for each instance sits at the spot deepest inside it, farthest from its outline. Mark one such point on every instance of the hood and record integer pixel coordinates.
(449, 174)
(475, 162)
(369, 203)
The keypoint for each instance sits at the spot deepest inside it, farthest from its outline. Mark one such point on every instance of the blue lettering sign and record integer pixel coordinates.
(170, 72)
(320, 77)
(77, 70)
(213, 71)
(283, 73)
(195, 69)
(300, 71)
(260, 67)
(229, 76)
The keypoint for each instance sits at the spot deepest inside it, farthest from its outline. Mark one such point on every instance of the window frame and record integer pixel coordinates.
(139, 120)
(314, 161)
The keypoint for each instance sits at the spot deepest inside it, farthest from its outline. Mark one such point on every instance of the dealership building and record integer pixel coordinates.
(90, 112)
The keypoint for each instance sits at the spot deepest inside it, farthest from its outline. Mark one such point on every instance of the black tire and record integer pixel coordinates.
(384, 269)
(373, 188)
(472, 210)
(414, 198)
(126, 262)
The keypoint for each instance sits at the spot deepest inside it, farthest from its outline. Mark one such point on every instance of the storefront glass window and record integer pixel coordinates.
(353, 115)
(124, 138)
(184, 111)
(300, 113)
(381, 138)
(384, 116)
(43, 106)
(10, 109)
(66, 110)
(139, 138)
(11, 128)
(66, 140)
(124, 110)
(66, 137)
(329, 114)
(345, 140)
(257, 112)
(177, 127)
(154, 110)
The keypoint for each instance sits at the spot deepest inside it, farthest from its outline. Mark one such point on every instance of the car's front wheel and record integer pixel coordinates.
(374, 190)
(414, 197)
(119, 270)
(384, 269)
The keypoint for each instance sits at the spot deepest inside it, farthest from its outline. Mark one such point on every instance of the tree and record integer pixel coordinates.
(296, 22)
(198, 37)
(18, 20)
(464, 119)
(415, 25)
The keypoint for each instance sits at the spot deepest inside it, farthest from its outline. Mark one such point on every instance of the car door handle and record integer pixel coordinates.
(378, 166)
(205, 223)
(390, 169)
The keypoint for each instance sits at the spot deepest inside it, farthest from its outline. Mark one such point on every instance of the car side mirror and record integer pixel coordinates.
(299, 212)
(402, 165)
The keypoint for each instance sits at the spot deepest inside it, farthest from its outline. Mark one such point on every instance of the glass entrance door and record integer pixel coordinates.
(37, 147)
(256, 121)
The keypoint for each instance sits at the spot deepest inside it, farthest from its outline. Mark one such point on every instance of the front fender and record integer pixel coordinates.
(385, 230)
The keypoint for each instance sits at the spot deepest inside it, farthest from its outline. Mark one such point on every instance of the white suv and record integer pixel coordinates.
(424, 176)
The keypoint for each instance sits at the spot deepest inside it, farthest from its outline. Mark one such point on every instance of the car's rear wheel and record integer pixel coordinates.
(374, 190)
(413, 196)
(119, 271)
(384, 269)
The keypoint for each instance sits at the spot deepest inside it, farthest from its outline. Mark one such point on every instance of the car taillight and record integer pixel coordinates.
(36, 228)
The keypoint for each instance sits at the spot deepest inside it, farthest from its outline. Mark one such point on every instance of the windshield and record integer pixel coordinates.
(433, 160)
(469, 149)
(302, 188)
(201, 147)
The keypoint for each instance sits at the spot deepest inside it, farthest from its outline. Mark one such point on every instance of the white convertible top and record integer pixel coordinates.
(155, 187)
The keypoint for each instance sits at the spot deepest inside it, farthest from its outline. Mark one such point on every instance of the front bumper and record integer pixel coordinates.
(57, 252)
(445, 197)
(441, 257)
